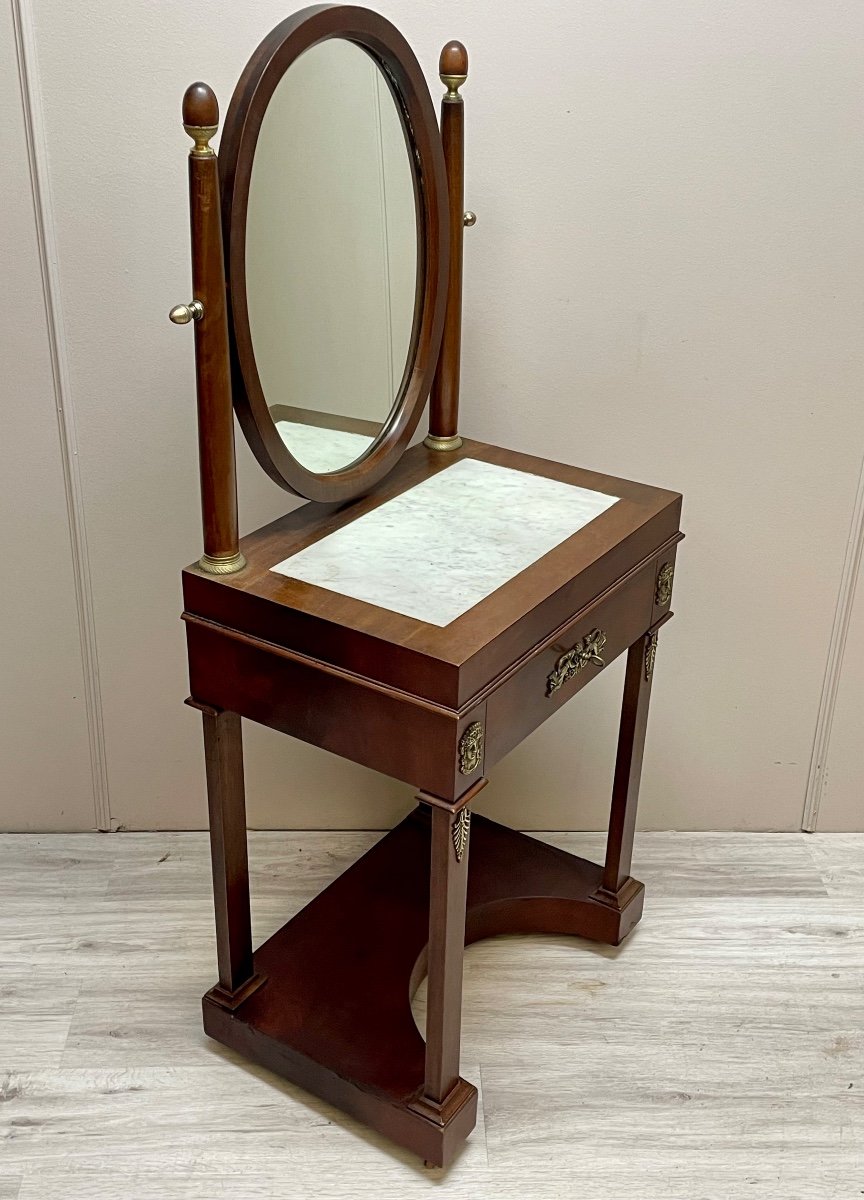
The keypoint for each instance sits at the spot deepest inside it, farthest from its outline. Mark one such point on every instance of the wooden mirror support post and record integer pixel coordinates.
(212, 365)
(444, 405)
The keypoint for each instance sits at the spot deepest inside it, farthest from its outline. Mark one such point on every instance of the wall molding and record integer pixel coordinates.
(834, 664)
(25, 49)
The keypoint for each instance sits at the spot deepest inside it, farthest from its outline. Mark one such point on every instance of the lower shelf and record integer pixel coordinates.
(333, 1013)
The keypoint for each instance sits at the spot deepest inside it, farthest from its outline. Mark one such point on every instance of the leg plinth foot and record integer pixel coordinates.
(624, 897)
(443, 1113)
(233, 1000)
(626, 904)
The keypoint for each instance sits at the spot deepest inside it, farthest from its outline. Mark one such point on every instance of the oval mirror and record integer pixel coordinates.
(333, 181)
(331, 255)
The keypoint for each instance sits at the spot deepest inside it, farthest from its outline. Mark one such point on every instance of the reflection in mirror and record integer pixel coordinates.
(331, 255)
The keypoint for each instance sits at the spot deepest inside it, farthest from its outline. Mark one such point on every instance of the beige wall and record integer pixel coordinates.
(46, 779)
(665, 282)
(840, 799)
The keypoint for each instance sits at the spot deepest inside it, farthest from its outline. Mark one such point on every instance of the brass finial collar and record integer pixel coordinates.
(453, 84)
(201, 135)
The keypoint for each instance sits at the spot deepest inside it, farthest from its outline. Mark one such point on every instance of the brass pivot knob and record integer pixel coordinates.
(469, 218)
(182, 314)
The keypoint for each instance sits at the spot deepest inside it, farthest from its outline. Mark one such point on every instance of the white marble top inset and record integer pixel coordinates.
(443, 546)
(320, 449)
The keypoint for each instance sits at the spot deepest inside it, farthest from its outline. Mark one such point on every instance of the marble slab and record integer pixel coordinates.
(322, 450)
(443, 546)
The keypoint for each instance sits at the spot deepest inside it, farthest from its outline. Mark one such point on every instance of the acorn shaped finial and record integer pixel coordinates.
(453, 68)
(200, 106)
(200, 117)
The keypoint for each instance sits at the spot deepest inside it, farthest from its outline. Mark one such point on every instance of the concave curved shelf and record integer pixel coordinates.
(338, 978)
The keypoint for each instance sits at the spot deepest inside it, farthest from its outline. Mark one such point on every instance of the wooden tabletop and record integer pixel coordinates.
(445, 663)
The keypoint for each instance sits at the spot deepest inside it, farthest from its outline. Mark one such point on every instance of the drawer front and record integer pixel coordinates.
(429, 747)
(566, 663)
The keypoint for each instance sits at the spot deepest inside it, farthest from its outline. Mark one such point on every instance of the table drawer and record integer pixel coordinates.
(558, 668)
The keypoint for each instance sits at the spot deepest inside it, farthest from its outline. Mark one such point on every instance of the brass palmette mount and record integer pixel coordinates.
(461, 830)
(650, 653)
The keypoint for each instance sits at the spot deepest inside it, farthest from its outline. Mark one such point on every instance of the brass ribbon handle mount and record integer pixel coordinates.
(572, 661)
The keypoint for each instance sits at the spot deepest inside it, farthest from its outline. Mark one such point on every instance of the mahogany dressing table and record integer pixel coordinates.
(425, 611)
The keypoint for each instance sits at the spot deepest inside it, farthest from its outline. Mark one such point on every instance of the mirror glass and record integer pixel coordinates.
(331, 255)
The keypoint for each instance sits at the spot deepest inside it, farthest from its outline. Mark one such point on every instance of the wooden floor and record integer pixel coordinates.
(717, 1054)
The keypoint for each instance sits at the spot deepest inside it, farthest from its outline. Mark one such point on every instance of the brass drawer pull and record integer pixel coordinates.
(572, 661)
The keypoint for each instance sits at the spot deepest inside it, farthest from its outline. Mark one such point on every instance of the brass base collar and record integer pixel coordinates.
(442, 443)
(453, 84)
(222, 566)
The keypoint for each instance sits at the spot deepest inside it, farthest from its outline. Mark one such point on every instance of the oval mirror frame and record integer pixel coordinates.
(274, 56)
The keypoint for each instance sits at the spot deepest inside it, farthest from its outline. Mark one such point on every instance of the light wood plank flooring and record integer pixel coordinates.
(717, 1054)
